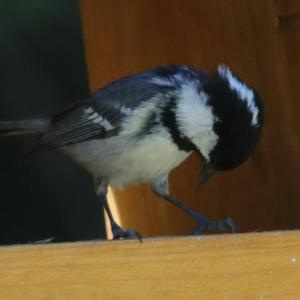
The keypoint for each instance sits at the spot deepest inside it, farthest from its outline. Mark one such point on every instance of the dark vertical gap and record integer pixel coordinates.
(42, 70)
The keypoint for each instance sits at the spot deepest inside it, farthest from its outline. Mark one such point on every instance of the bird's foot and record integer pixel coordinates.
(222, 226)
(119, 233)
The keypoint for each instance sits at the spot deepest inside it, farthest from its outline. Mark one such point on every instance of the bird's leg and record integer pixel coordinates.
(161, 189)
(117, 231)
(203, 223)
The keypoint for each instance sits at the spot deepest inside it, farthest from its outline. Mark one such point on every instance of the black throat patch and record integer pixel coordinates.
(169, 121)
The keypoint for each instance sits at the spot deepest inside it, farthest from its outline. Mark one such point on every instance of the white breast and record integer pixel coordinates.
(122, 161)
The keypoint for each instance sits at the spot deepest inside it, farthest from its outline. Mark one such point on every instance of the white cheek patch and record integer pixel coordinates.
(196, 119)
(246, 94)
(208, 140)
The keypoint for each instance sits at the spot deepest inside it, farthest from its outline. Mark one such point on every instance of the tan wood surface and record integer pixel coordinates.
(258, 39)
(248, 266)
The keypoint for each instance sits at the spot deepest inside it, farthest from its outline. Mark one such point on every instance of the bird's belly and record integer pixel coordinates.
(145, 162)
(123, 162)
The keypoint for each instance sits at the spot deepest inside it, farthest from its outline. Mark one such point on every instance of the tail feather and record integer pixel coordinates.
(38, 125)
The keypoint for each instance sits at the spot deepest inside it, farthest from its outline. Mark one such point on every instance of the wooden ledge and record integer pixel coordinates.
(240, 266)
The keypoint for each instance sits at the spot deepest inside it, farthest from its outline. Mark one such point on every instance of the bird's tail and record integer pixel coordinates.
(36, 125)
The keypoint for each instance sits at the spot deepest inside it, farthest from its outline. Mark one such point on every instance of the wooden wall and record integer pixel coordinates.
(259, 40)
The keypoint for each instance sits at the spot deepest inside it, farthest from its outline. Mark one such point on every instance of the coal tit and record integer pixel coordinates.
(139, 128)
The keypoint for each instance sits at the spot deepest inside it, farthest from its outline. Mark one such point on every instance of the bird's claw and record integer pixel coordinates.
(119, 233)
(220, 226)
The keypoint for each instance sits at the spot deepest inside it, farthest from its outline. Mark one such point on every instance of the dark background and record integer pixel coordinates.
(42, 70)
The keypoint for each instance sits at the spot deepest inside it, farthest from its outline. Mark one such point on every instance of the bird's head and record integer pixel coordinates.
(229, 114)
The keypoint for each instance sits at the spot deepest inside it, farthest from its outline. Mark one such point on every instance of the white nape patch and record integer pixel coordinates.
(98, 119)
(245, 93)
(196, 118)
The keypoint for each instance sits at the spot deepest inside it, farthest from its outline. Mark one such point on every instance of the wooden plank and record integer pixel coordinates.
(245, 266)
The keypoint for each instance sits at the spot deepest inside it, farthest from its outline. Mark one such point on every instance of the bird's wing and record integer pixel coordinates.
(102, 114)
(81, 122)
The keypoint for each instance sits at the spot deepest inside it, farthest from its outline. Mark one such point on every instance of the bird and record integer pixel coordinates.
(137, 129)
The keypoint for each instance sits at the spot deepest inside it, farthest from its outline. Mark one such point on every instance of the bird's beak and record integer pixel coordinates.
(207, 171)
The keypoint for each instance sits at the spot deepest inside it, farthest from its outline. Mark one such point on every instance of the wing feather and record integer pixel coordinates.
(102, 114)
(82, 122)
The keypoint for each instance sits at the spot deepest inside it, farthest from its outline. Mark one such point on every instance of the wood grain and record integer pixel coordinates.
(259, 40)
(248, 266)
